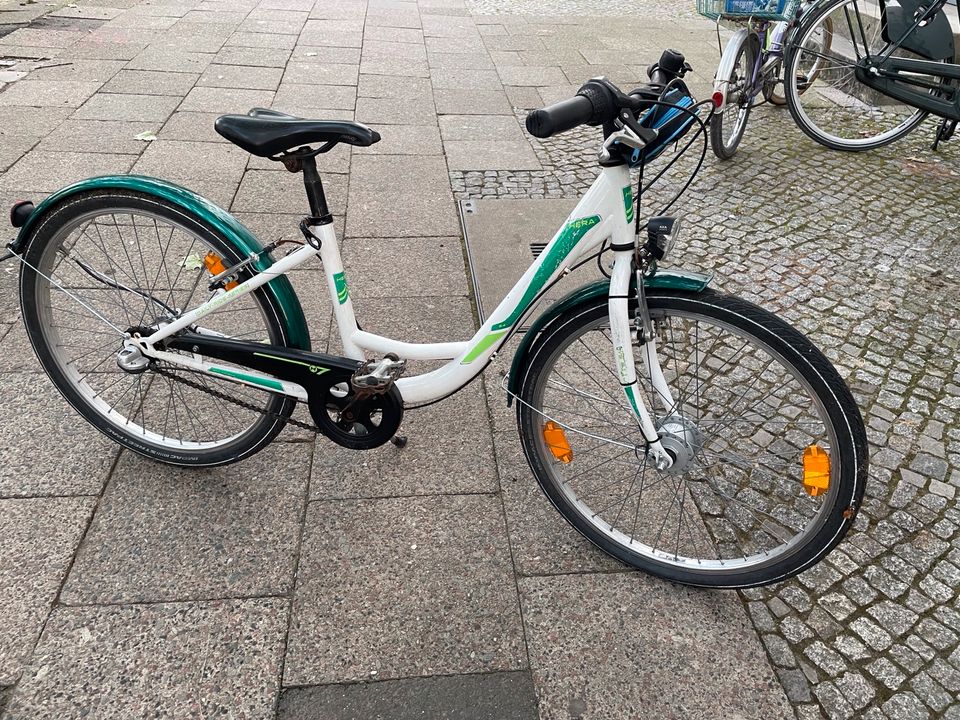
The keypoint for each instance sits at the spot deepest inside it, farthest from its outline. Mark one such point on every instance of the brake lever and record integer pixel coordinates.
(647, 135)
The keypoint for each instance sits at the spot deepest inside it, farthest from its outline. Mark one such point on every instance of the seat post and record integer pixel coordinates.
(315, 195)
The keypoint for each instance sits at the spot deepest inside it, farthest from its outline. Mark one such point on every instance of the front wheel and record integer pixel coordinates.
(727, 127)
(769, 444)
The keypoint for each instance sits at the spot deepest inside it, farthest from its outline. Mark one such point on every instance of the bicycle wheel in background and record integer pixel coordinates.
(819, 50)
(833, 107)
(727, 127)
(759, 412)
(129, 263)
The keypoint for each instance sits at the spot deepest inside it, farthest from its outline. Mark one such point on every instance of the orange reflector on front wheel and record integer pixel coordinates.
(557, 442)
(816, 470)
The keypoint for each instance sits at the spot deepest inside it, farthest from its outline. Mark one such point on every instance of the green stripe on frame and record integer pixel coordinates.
(568, 239)
(265, 382)
(482, 346)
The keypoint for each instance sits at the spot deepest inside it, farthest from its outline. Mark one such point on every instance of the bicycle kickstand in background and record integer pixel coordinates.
(945, 131)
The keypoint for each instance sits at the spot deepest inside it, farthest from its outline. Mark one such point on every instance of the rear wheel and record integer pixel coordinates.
(831, 105)
(753, 398)
(727, 127)
(112, 262)
(819, 49)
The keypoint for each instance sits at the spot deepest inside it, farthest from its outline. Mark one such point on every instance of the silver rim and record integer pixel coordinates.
(736, 89)
(724, 509)
(113, 270)
(835, 106)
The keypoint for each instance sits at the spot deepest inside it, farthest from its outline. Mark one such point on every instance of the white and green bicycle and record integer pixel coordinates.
(688, 433)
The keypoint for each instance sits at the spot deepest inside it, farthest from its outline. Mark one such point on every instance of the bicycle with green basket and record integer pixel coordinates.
(752, 61)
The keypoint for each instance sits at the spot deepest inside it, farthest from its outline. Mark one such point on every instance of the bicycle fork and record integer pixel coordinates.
(622, 337)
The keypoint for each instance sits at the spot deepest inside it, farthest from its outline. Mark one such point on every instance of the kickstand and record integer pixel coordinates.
(945, 131)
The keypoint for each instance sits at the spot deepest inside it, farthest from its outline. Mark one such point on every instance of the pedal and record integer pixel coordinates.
(945, 131)
(376, 376)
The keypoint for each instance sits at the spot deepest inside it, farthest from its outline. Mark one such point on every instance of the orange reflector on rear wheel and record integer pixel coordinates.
(215, 266)
(816, 470)
(557, 442)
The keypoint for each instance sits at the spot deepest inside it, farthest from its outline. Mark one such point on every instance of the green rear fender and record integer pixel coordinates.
(691, 282)
(205, 212)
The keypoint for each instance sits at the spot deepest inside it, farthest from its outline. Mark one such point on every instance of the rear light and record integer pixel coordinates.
(718, 99)
(20, 213)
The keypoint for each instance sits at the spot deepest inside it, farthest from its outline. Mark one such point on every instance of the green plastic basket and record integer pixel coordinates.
(743, 9)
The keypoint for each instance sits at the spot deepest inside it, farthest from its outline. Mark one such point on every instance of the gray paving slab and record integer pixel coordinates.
(269, 226)
(429, 267)
(643, 648)
(48, 171)
(320, 73)
(241, 77)
(83, 457)
(445, 454)
(37, 37)
(403, 587)
(321, 54)
(489, 696)
(148, 108)
(393, 34)
(480, 127)
(206, 659)
(471, 102)
(419, 203)
(252, 57)
(225, 100)
(191, 127)
(464, 79)
(76, 70)
(388, 111)
(317, 97)
(395, 87)
(490, 155)
(182, 160)
(542, 542)
(151, 82)
(454, 45)
(46, 93)
(479, 60)
(533, 76)
(226, 532)
(162, 59)
(261, 40)
(33, 122)
(39, 537)
(280, 191)
(405, 140)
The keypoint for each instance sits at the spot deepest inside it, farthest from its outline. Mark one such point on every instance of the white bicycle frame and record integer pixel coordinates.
(602, 214)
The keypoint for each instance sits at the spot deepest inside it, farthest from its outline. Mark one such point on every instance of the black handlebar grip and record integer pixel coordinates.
(559, 117)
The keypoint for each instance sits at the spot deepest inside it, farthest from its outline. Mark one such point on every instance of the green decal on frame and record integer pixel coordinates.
(340, 282)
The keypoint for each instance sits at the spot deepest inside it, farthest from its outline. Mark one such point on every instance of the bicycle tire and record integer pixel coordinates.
(820, 15)
(726, 147)
(848, 455)
(72, 380)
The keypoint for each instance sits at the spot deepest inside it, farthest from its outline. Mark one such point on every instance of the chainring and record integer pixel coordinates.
(356, 421)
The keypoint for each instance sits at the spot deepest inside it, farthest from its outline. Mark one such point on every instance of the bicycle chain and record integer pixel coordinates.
(241, 403)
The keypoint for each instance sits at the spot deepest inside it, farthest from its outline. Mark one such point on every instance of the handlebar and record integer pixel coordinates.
(599, 101)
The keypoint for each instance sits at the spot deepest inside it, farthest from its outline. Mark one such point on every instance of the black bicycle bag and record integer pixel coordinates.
(668, 112)
(934, 40)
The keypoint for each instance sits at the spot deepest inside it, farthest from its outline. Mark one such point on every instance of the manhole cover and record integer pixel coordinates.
(503, 237)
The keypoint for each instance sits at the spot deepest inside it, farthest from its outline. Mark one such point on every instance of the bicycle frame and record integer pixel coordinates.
(603, 213)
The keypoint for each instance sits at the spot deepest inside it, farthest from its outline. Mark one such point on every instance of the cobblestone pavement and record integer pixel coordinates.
(309, 582)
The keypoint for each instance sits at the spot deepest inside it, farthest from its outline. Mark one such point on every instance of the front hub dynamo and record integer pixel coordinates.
(682, 439)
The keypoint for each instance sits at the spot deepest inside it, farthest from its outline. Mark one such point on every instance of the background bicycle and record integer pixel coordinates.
(751, 63)
(888, 66)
